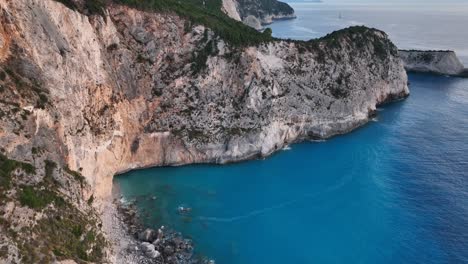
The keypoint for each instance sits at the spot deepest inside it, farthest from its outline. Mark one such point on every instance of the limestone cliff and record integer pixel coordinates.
(257, 13)
(438, 62)
(103, 94)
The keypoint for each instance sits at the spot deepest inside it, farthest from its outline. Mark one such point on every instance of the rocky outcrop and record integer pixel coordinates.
(230, 8)
(125, 91)
(438, 62)
(257, 13)
(105, 94)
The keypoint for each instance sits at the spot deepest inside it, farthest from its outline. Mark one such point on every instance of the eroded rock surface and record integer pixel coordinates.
(125, 91)
(438, 62)
(104, 94)
(256, 13)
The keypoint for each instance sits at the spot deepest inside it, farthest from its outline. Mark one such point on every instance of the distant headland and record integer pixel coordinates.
(443, 62)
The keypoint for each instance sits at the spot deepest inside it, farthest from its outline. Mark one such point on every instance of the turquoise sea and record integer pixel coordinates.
(393, 191)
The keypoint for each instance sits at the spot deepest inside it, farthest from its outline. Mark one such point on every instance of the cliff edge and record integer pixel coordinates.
(257, 13)
(86, 95)
(438, 62)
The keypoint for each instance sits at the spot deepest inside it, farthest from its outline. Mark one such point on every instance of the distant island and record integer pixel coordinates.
(90, 89)
(444, 62)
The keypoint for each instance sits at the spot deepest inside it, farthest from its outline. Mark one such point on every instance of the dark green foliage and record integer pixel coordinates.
(43, 100)
(112, 47)
(35, 150)
(67, 236)
(210, 15)
(267, 32)
(75, 175)
(204, 12)
(95, 6)
(200, 57)
(135, 145)
(359, 36)
(91, 200)
(91, 6)
(64, 232)
(77, 230)
(187, 26)
(2, 75)
(38, 199)
(68, 3)
(260, 7)
(49, 170)
(339, 92)
(141, 59)
(7, 166)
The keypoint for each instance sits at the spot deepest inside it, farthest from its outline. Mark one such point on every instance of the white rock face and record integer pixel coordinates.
(230, 8)
(439, 62)
(149, 250)
(104, 95)
(268, 19)
(123, 91)
(256, 13)
(253, 22)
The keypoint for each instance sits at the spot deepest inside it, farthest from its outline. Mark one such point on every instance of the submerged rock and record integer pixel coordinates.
(184, 210)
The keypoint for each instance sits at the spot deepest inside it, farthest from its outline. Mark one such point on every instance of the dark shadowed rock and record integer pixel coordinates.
(148, 235)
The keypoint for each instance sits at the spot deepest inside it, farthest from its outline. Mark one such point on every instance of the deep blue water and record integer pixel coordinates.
(393, 191)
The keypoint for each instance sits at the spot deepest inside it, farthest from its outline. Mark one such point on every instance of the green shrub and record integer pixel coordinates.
(43, 100)
(7, 166)
(204, 12)
(77, 231)
(63, 231)
(2, 75)
(75, 175)
(91, 200)
(38, 199)
(49, 171)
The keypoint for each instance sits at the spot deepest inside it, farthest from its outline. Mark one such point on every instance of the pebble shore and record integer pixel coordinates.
(137, 244)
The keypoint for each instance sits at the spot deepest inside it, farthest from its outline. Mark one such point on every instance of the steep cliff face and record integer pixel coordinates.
(257, 13)
(438, 62)
(131, 89)
(136, 89)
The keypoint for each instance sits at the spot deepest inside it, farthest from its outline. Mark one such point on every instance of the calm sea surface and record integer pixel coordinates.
(393, 191)
(410, 26)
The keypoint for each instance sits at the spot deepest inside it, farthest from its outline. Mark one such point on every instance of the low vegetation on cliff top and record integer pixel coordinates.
(204, 12)
(208, 13)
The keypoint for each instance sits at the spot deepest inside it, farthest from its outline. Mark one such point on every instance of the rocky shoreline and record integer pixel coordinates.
(99, 94)
(136, 243)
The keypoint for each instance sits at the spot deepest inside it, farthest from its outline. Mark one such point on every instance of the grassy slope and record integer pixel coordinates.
(205, 12)
(63, 232)
(209, 15)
